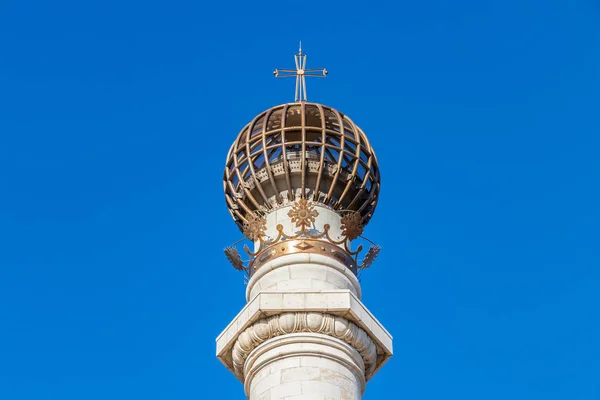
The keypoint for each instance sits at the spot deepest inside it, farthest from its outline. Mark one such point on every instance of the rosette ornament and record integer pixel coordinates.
(303, 213)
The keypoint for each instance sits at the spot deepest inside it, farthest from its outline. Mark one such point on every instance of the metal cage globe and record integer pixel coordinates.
(301, 151)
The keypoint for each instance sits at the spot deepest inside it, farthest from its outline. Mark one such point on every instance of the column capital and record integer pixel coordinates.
(339, 313)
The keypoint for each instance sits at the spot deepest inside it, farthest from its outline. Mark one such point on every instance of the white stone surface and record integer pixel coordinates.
(302, 272)
(304, 366)
(280, 217)
(302, 322)
(341, 303)
(304, 333)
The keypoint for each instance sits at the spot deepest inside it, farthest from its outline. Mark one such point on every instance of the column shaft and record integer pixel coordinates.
(304, 366)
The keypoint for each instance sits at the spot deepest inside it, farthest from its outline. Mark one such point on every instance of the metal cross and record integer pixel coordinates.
(300, 73)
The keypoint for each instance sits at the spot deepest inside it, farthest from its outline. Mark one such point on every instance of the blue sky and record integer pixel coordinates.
(115, 120)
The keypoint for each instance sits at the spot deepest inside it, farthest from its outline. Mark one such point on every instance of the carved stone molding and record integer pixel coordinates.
(298, 322)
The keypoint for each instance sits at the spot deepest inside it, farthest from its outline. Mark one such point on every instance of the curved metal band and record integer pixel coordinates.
(312, 246)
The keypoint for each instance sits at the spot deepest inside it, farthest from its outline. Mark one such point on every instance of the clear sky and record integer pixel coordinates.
(115, 120)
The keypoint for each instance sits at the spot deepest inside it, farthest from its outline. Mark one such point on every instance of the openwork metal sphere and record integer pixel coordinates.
(301, 151)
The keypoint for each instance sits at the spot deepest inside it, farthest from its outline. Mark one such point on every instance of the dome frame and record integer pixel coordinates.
(299, 151)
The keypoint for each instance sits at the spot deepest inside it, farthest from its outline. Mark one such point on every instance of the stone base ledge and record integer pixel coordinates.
(341, 303)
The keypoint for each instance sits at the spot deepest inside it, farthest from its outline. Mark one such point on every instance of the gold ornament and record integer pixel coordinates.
(254, 227)
(352, 225)
(303, 213)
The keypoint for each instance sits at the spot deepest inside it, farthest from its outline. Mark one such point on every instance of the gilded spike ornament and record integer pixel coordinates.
(234, 258)
(370, 257)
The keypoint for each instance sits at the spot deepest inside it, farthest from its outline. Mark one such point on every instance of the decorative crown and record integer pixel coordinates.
(303, 215)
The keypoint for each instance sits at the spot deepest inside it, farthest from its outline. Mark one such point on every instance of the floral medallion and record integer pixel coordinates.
(254, 227)
(352, 225)
(303, 213)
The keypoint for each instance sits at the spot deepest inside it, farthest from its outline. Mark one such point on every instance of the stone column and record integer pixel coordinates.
(304, 333)
(304, 366)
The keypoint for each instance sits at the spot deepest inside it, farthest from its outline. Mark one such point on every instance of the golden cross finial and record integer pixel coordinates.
(300, 73)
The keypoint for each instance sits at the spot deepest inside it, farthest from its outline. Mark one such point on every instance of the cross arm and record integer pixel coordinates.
(285, 72)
